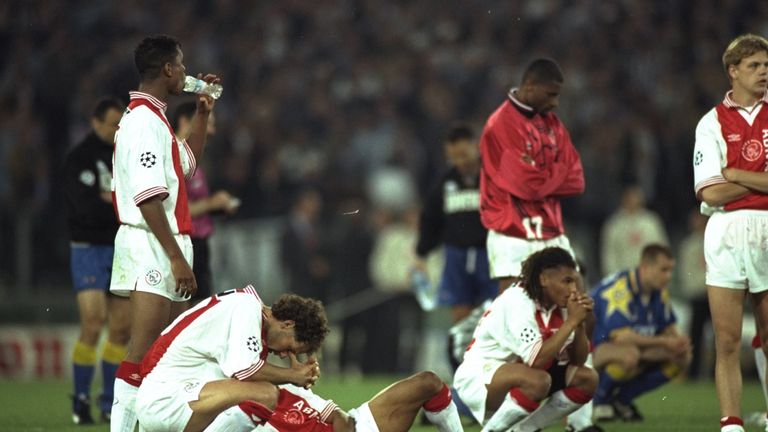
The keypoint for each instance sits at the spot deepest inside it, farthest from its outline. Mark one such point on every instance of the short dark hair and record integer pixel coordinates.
(185, 110)
(653, 250)
(543, 71)
(153, 53)
(104, 105)
(459, 132)
(536, 263)
(311, 325)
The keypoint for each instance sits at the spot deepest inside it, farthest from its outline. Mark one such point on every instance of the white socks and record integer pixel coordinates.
(446, 420)
(509, 413)
(124, 407)
(555, 408)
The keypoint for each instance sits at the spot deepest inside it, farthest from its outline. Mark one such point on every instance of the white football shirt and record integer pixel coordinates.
(144, 165)
(222, 337)
(513, 329)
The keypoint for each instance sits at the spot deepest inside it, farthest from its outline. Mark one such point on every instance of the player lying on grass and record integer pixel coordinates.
(213, 357)
(530, 346)
(637, 344)
(296, 409)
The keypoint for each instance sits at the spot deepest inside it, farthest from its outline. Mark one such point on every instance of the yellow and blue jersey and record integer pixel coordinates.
(620, 306)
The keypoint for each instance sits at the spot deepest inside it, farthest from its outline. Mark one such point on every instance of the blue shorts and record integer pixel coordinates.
(91, 266)
(466, 278)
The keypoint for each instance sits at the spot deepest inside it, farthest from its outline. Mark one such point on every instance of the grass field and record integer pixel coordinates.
(44, 406)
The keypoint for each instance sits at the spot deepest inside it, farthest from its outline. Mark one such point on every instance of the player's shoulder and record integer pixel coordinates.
(515, 296)
(617, 280)
(708, 121)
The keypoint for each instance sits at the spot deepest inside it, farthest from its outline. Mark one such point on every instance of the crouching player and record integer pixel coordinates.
(529, 346)
(213, 357)
(637, 344)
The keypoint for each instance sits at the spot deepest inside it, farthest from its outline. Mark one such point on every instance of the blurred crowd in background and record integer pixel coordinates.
(334, 111)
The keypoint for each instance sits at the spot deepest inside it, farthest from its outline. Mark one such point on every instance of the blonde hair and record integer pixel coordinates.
(742, 47)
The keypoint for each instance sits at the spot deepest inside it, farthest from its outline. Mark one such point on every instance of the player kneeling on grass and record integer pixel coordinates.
(637, 344)
(213, 357)
(391, 410)
(529, 346)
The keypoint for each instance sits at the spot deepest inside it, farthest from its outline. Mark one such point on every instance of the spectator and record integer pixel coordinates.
(628, 230)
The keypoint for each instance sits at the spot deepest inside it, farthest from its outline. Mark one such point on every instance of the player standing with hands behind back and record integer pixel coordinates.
(153, 250)
(729, 164)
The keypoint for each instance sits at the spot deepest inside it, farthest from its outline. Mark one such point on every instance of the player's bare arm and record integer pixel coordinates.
(341, 421)
(756, 181)
(300, 374)
(153, 212)
(577, 313)
(199, 125)
(721, 194)
(628, 336)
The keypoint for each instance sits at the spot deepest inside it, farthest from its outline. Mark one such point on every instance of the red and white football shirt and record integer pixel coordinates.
(514, 328)
(148, 161)
(730, 136)
(222, 337)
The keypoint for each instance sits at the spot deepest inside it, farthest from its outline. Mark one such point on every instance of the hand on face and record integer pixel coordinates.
(579, 305)
(307, 373)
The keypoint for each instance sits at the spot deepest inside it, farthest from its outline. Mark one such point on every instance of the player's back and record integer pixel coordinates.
(203, 341)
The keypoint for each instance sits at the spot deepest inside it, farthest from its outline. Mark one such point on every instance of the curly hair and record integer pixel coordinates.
(311, 325)
(536, 263)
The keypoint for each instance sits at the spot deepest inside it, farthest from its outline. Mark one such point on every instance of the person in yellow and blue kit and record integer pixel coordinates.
(637, 346)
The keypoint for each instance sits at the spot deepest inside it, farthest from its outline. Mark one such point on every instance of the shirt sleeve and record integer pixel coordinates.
(573, 183)
(147, 158)
(242, 356)
(708, 161)
(188, 161)
(520, 330)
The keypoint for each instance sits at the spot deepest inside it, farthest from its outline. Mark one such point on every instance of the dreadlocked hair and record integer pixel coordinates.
(311, 325)
(536, 263)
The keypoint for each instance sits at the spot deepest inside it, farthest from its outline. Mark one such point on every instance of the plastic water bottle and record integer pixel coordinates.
(194, 85)
(422, 290)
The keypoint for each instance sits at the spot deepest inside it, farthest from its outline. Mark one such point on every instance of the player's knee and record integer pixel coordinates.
(93, 323)
(536, 384)
(630, 358)
(264, 393)
(429, 382)
(586, 379)
(727, 342)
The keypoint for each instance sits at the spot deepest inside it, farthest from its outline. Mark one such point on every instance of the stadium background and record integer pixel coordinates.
(351, 99)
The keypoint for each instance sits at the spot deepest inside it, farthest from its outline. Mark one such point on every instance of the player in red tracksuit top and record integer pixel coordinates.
(729, 164)
(529, 163)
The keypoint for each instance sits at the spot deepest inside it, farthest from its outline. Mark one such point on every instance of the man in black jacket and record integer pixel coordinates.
(92, 225)
(450, 216)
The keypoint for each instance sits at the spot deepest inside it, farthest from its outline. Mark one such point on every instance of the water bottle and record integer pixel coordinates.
(423, 290)
(194, 85)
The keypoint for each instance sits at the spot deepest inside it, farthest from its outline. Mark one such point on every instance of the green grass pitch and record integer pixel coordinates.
(44, 405)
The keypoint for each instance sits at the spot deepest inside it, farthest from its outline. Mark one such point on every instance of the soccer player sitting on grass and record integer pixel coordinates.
(530, 346)
(637, 345)
(392, 410)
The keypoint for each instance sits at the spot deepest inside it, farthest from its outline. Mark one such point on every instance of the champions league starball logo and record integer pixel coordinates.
(528, 335)
(254, 344)
(148, 159)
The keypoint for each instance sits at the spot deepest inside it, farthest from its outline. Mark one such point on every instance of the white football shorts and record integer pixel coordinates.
(470, 382)
(506, 254)
(364, 421)
(736, 250)
(165, 406)
(141, 264)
